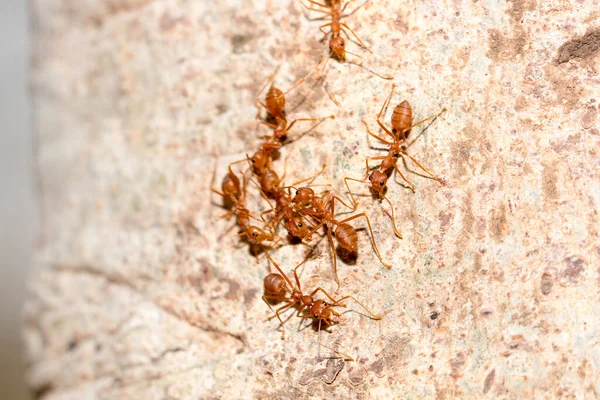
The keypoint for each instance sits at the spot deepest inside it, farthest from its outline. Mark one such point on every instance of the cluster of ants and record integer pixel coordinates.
(300, 210)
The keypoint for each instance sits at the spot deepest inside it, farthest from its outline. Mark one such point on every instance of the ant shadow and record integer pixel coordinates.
(347, 256)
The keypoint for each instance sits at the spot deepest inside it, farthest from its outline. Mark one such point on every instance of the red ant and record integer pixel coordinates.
(275, 106)
(337, 44)
(280, 288)
(402, 123)
(235, 193)
(323, 211)
(285, 209)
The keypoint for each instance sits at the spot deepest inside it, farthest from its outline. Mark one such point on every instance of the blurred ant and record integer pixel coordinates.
(235, 193)
(337, 44)
(280, 288)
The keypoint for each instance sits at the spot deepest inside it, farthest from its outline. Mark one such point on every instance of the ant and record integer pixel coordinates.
(323, 211)
(285, 209)
(402, 123)
(337, 44)
(235, 193)
(279, 287)
(275, 106)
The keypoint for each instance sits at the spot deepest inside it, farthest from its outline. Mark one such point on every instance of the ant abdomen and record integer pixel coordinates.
(275, 102)
(269, 182)
(402, 117)
(274, 283)
(347, 237)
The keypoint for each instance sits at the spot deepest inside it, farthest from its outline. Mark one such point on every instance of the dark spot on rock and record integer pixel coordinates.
(238, 42)
(332, 370)
(377, 367)
(233, 290)
(489, 381)
(222, 108)
(572, 272)
(72, 344)
(584, 47)
(546, 283)
(498, 223)
(501, 48)
(356, 375)
(549, 181)
(457, 363)
(588, 120)
(434, 315)
(518, 8)
(41, 391)
(249, 295)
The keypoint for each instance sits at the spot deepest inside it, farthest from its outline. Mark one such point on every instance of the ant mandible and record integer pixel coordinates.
(280, 288)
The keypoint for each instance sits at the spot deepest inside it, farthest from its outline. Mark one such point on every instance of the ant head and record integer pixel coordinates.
(296, 227)
(256, 235)
(274, 283)
(318, 308)
(378, 182)
(323, 311)
(275, 102)
(337, 46)
(259, 162)
(304, 196)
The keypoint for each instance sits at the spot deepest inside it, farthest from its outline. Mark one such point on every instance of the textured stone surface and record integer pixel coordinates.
(140, 293)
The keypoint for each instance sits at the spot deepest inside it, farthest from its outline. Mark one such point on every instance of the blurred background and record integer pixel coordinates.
(17, 208)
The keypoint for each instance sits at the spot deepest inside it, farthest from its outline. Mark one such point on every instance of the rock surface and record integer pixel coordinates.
(141, 294)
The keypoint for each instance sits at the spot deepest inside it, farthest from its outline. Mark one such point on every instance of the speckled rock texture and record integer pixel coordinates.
(140, 293)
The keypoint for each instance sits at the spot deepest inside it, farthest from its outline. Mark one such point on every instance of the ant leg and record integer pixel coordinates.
(346, 356)
(353, 208)
(372, 236)
(314, 230)
(324, 32)
(422, 167)
(396, 231)
(319, 289)
(374, 135)
(310, 178)
(270, 80)
(383, 107)
(296, 274)
(279, 269)
(355, 35)
(410, 185)
(376, 317)
(346, 5)
(226, 215)
(307, 119)
(425, 120)
(346, 179)
(319, 4)
(334, 256)
(282, 308)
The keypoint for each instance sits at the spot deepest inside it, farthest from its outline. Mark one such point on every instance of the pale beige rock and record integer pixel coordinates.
(140, 294)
